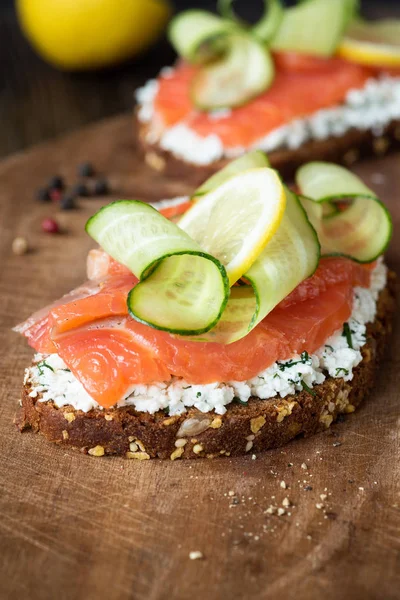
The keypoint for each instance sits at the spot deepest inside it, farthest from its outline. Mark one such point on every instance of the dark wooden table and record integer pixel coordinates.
(74, 527)
(37, 102)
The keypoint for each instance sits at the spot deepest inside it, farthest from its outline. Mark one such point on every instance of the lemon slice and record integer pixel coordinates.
(235, 221)
(374, 43)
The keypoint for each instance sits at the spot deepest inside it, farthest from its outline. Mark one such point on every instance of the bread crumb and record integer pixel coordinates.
(180, 443)
(138, 455)
(69, 416)
(253, 457)
(319, 505)
(271, 510)
(65, 434)
(281, 511)
(177, 453)
(96, 451)
(195, 555)
(249, 446)
(20, 246)
(231, 493)
(257, 423)
(155, 161)
(283, 485)
(323, 497)
(216, 423)
(169, 421)
(304, 466)
(197, 448)
(286, 502)
(141, 445)
(108, 417)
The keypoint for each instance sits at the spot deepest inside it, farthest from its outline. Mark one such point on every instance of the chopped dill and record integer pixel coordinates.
(41, 365)
(239, 401)
(304, 360)
(347, 334)
(307, 388)
(342, 369)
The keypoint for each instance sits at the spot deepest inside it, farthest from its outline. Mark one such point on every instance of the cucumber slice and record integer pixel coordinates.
(270, 22)
(312, 27)
(361, 231)
(352, 10)
(266, 27)
(251, 160)
(294, 251)
(193, 34)
(244, 71)
(291, 256)
(182, 289)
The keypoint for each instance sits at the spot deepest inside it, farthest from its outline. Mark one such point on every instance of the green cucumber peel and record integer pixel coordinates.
(195, 34)
(227, 82)
(266, 26)
(251, 160)
(182, 289)
(362, 231)
(314, 27)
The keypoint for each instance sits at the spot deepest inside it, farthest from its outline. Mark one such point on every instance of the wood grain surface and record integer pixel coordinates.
(77, 527)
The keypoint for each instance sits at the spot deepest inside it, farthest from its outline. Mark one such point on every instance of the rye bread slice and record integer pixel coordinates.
(257, 426)
(346, 149)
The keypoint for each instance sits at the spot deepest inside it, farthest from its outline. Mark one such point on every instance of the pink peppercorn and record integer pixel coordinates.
(55, 195)
(50, 226)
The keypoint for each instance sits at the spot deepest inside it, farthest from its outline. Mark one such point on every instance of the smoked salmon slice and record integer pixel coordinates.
(110, 356)
(301, 87)
(110, 300)
(109, 352)
(36, 329)
(108, 360)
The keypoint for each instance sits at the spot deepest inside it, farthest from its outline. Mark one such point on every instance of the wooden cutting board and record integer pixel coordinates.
(77, 527)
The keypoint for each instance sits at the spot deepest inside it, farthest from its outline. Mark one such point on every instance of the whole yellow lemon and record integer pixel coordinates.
(88, 34)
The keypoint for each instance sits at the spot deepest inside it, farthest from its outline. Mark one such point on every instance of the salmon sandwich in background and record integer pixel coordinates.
(310, 82)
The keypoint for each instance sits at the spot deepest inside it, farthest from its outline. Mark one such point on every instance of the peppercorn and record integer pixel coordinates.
(67, 203)
(56, 183)
(55, 195)
(86, 169)
(50, 225)
(43, 195)
(80, 189)
(101, 187)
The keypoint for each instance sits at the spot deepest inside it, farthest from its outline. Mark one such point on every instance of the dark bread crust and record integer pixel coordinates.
(346, 149)
(260, 425)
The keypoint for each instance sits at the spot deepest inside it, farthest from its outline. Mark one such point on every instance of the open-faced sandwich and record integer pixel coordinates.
(259, 316)
(310, 82)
